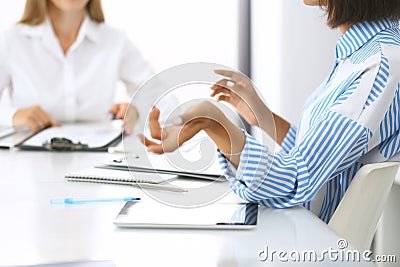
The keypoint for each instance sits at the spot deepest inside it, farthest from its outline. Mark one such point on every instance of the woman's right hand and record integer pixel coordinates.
(33, 117)
(238, 90)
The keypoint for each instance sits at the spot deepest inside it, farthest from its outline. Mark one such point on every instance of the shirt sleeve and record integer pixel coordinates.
(6, 111)
(134, 71)
(291, 178)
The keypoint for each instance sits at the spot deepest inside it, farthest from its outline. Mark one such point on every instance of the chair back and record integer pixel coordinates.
(358, 213)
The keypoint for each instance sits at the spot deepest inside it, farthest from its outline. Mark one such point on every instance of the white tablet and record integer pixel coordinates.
(141, 214)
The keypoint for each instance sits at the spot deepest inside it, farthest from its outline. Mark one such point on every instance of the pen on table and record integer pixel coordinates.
(91, 200)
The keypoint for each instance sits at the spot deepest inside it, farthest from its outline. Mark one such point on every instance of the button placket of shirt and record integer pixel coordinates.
(70, 90)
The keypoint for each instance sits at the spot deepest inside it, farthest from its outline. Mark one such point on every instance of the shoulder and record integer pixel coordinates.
(379, 48)
(106, 33)
(389, 41)
(20, 30)
(17, 34)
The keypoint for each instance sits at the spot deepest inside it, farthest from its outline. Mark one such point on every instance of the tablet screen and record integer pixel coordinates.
(219, 215)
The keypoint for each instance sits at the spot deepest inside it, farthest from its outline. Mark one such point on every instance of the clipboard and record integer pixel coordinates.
(74, 137)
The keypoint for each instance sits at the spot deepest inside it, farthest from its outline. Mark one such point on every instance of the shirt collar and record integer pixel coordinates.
(359, 34)
(87, 30)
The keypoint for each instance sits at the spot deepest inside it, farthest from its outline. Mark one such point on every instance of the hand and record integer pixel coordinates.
(173, 136)
(204, 116)
(33, 117)
(240, 93)
(126, 112)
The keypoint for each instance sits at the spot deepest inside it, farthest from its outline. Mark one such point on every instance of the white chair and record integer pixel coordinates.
(358, 213)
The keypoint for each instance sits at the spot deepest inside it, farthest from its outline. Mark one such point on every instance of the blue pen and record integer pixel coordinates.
(91, 200)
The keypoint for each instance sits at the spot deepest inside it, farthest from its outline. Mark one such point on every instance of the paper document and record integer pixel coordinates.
(92, 134)
(6, 131)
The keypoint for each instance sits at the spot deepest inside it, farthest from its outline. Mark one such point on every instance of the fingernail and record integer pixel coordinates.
(117, 117)
(128, 132)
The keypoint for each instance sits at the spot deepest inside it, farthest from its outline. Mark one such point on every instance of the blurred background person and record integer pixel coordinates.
(61, 63)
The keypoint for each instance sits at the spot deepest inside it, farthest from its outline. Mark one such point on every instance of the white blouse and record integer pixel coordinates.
(76, 86)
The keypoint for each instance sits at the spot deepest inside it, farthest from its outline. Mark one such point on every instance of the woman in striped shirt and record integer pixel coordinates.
(352, 119)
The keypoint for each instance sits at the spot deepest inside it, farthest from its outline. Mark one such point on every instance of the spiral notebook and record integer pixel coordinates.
(106, 176)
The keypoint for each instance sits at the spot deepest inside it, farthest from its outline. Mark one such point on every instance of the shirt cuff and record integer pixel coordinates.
(6, 116)
(254, 163)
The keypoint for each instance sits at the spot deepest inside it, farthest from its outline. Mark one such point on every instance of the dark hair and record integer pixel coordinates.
(342, 12)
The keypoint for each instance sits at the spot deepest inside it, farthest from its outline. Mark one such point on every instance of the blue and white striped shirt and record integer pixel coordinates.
(350, 120)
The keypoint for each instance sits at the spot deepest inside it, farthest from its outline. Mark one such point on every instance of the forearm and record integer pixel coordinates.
(282, 127)
(229, 139)
(275, 126)
(226, 135)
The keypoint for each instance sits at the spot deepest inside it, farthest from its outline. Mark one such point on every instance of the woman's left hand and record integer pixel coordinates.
(173, 136)
(203, 116)
(126, 112)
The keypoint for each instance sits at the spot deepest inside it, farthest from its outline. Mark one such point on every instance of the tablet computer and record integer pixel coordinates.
(142, 214)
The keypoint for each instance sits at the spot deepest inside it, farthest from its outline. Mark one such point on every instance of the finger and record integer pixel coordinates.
(226, 73)
(154, 125)
(227, 83)
(224, 98)
(234, 76)
(121, 112)
(33, 126)
(145, 141)
(127, 126)
(157, 148)
(39, 117)
(46, 119)
(114, 108)
(220, 90)
(151, 146)
(54, 123)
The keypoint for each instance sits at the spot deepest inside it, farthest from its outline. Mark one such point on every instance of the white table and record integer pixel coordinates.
(32, 231)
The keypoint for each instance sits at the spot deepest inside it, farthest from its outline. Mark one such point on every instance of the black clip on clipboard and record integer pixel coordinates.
(63, 144)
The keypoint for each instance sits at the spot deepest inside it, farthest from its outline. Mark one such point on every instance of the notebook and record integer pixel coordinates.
(107, 176)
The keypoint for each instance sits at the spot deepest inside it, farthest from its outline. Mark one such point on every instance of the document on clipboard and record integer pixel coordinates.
(6, 131)
(74, 137)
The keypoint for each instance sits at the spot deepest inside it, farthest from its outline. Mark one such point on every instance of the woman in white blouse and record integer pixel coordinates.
(61, 63)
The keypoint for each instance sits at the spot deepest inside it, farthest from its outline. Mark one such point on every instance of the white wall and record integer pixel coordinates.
(171, 32)
(293, 52)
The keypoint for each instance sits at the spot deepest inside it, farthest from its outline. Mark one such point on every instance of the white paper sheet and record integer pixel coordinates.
(92, 134)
